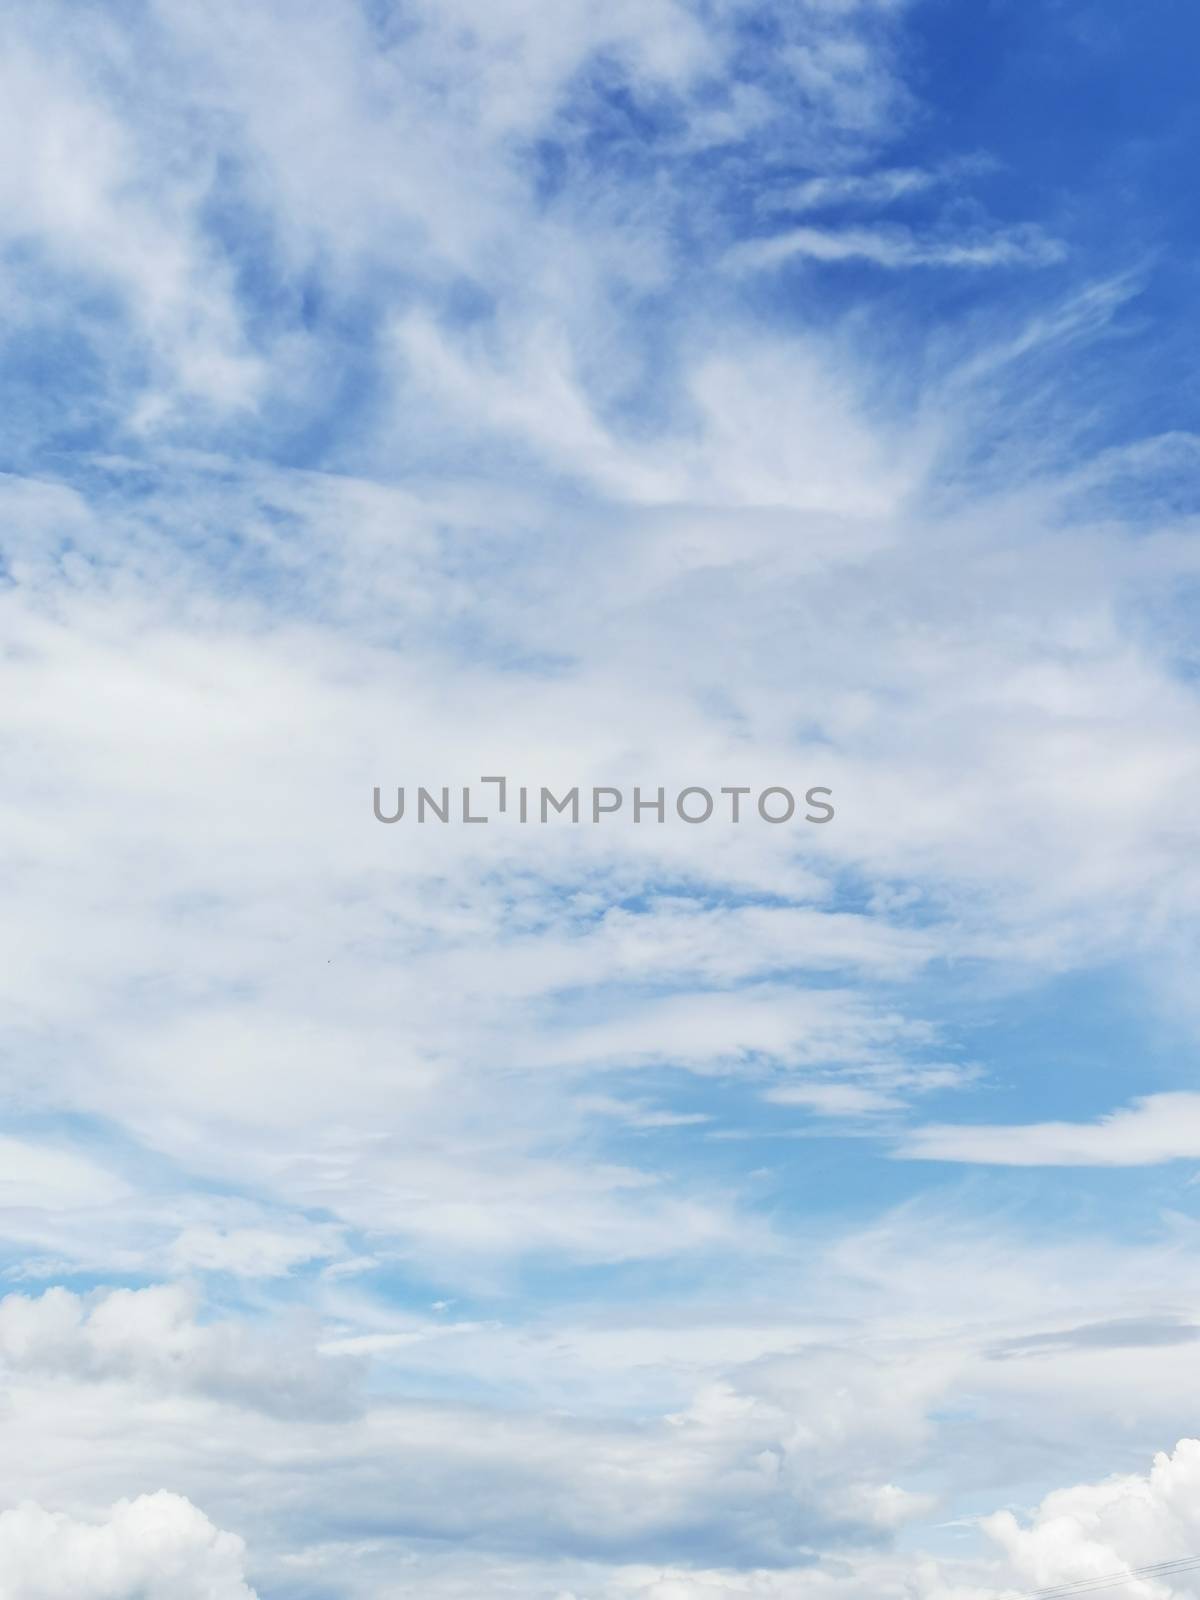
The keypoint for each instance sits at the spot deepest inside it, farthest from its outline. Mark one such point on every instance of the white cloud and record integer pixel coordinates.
(36, 1176)
(151, 1338)
(106, 207)
(1076, 1535)
(569, 536)
(834, 1099)
(156, 1547)
(1157, 1127)
(900, 247)
(251, 1252)
(843, 74)
(853, 188)
(820, 1397)
(760, 1462)
(1095, 1530)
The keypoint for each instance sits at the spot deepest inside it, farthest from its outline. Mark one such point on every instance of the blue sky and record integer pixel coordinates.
(655, 392)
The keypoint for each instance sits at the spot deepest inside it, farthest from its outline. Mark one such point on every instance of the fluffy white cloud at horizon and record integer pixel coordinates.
(158, 1547)
(638, 393)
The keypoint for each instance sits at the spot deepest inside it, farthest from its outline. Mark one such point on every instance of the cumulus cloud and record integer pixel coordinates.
(156, 1547)
(1094, 1530)
(151, 1338)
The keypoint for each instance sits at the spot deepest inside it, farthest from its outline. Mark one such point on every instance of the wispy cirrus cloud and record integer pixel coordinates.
(876, 188)
(1157, 1127)
(897, 247)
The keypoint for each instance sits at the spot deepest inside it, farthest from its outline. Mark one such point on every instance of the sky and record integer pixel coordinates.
(681, 393)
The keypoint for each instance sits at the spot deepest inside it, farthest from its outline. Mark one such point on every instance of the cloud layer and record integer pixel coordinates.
(660, 394)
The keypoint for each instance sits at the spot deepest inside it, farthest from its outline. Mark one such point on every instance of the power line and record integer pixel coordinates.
(1113, 1580)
